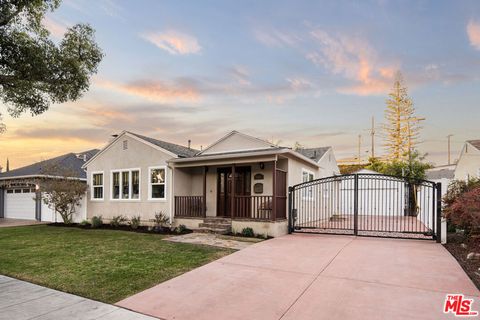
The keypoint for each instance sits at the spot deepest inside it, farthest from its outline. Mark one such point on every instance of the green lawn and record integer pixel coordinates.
(105, 265)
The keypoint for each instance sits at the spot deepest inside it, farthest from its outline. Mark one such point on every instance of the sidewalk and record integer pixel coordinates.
(23, 300)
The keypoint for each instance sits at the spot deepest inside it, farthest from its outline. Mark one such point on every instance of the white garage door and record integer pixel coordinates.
(20, 203)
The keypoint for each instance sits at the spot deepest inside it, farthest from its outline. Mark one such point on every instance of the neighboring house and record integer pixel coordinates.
(441, 174)
(468, 165)
(239, 181)
(325, 157)
(21, 197)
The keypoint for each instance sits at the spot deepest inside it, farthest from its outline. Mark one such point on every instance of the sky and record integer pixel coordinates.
(308, 71)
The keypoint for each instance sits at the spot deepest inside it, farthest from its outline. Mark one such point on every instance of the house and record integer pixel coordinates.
(468, 165)
(325, 158)
(238, 181)
(21, 196)
(441, 174)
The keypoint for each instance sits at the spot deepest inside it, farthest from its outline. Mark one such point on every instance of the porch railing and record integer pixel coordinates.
(189, 206)
(259, 207)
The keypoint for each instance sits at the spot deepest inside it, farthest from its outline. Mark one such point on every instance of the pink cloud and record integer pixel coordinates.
(355, 59)
(56, 28)
(473, 31)
(158, 91)
(173, 42)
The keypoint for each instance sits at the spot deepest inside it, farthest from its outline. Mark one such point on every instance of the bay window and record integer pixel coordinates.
(126, 184)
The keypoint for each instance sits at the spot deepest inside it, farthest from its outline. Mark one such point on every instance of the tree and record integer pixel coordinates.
(34, 71)
(402, 128)
(61, 191)
(464, 211)
(297, 146)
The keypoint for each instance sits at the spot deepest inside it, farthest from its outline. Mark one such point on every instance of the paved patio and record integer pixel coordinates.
(22, 300)
(6, 222)
(315, 277)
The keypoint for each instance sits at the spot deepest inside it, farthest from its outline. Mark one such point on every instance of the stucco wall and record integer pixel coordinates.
(270, 229)
(236, 142)
(138, 155)
(468, 163)
(328, 165)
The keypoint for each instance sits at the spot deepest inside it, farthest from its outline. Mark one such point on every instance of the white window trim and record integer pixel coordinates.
(129, 170)
(92, 186)
(307, 191)
(164, 199)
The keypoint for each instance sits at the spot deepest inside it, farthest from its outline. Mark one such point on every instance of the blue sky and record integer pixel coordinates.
(307, 71)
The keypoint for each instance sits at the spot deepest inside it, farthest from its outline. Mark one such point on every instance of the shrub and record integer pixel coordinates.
(458, 187)
(248, 232)
(97, 221)
(465, 211)
(160, 220)
(181, 229)
(117, 221)
(85, 223)
(135, 222)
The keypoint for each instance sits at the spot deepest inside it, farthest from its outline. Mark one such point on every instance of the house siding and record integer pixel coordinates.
(468, 164)
(137, 155)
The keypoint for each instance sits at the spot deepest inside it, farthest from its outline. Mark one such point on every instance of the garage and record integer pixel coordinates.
(20, 203)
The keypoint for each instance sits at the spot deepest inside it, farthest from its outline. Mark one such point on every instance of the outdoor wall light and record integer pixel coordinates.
(262, 165)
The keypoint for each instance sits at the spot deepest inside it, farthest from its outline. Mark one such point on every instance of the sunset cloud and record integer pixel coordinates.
(57, 28)
(156, 90)
(354, 59)
(174, 42)
(272, 37)
(473, 31)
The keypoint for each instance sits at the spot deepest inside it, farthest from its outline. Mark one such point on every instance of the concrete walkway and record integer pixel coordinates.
(215, 240)
(315, 277)
(23, 300)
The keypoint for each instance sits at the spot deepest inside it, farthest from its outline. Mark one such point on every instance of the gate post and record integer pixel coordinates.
(439, 213)
(290, 215)
(355, 206)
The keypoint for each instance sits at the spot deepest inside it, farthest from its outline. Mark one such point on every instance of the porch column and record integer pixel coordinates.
(232, 201)
(274, 191)
(205, 170)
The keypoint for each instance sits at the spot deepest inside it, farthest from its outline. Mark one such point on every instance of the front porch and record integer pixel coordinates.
(254, 191)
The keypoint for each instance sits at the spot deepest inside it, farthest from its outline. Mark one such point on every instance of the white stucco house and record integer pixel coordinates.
(468, 164)
(238, 181)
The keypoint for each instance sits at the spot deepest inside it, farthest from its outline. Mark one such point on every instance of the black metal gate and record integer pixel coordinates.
(367, 205)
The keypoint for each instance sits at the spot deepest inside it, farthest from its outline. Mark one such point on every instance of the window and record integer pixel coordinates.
(126, 184)
(157, 183)
(97, 186)
(10, 191)
(307, 176)
(116, 185)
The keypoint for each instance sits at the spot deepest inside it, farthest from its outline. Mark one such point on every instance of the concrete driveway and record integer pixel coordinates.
(6, 222)
(315, 277)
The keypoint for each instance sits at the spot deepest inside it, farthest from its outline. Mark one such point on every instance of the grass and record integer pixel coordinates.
(104, 265)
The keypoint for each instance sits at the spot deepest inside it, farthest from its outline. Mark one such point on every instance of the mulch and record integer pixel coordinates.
(454, 246)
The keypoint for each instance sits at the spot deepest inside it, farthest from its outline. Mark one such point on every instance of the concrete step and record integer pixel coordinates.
(217, 220)
(213, 230)
(215, 225)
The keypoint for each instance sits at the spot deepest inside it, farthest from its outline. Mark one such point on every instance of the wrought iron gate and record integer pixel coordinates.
(366, 205)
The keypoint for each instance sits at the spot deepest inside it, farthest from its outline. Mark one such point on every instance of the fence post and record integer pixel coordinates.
(355, 205)
(439, 213)
(290, 215)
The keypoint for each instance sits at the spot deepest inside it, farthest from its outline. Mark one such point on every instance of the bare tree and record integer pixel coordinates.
(62, 192)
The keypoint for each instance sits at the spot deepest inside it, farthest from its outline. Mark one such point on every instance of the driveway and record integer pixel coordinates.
(315, 277)
(6, 222)
(22, 300)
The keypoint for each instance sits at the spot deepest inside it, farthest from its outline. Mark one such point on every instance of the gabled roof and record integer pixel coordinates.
(475, 143)
(445, 173)
(263, 144)
(174, 150)
(179, 150)
(70, 161)
(314, 153)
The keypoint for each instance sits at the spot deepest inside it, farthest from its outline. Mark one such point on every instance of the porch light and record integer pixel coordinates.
(262, 165)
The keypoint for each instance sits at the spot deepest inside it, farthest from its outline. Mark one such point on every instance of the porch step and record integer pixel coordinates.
(215, 225)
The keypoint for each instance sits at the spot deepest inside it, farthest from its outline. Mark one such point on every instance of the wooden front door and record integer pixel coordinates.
(224, 188)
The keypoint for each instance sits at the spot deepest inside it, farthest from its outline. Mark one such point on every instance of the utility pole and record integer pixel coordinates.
(449, 159)
(359, 149)
(372, 133)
